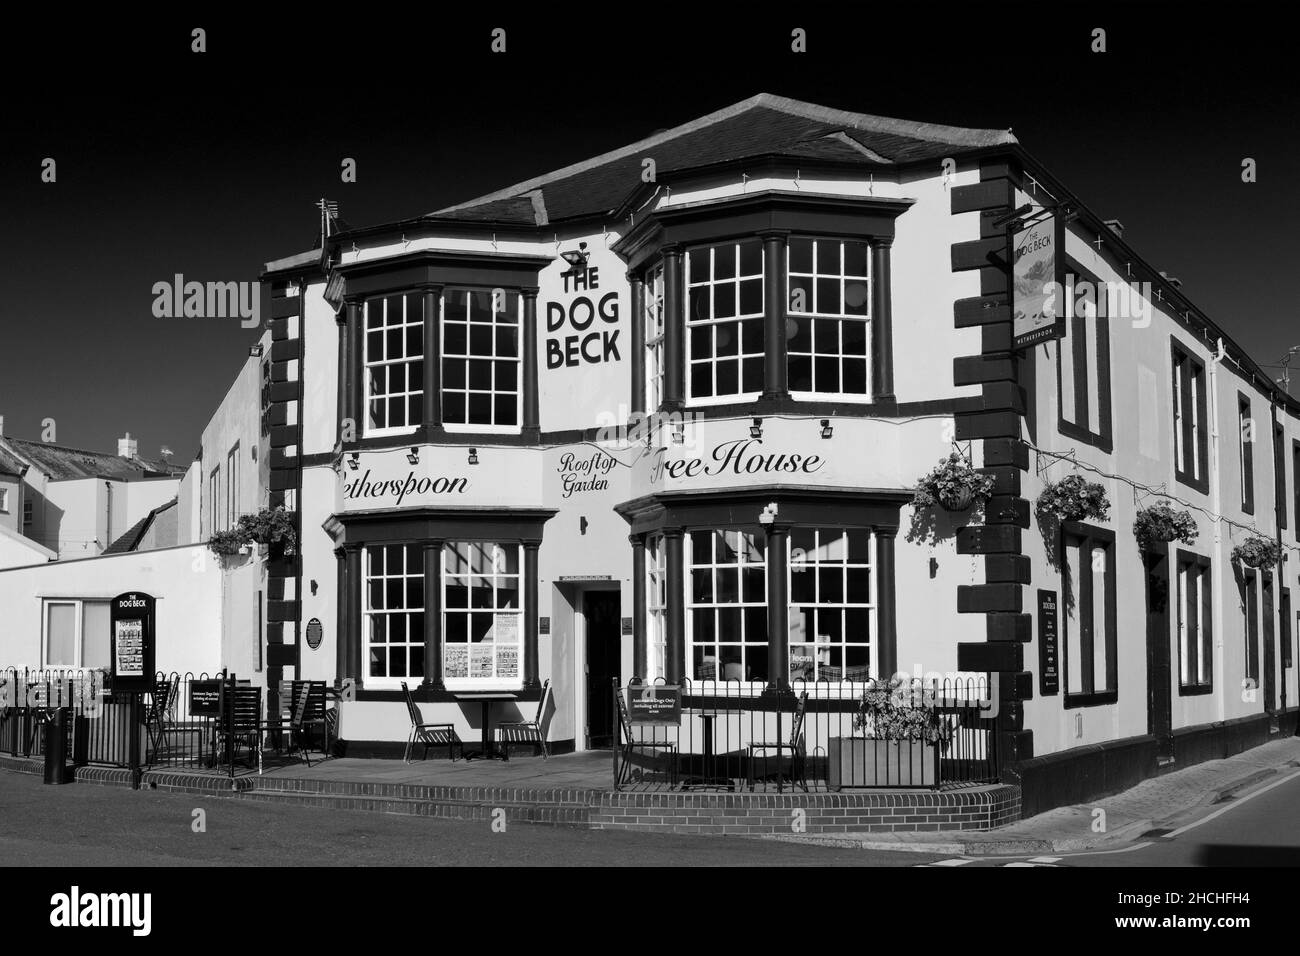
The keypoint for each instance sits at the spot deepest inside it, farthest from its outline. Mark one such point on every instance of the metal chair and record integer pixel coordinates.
(430, 735)
(531, 726)
(630, 743)
(241, 723)
(158, 717)
(796, 748)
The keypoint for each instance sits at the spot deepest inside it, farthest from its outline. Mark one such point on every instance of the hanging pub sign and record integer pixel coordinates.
(1037, 256)
(654, 704)
(131, 619)
(1049, 674)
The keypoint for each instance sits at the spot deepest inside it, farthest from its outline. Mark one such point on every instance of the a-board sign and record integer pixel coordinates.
(205, 698)
(654, 704)
(131, 623)
(1049, 672)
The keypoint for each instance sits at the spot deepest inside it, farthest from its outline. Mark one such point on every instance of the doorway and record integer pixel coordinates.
(1159, 669)
(602, 647)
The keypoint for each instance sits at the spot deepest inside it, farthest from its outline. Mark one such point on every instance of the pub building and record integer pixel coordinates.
(659, 415)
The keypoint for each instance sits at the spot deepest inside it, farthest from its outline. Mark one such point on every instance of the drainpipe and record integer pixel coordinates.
(1221, 565)
(1279, 502)
(108, 515)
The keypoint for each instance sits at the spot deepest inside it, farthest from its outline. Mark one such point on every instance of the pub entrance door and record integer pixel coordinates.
(602, 643)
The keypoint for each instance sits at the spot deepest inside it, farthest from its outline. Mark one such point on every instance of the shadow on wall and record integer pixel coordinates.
(930, 526)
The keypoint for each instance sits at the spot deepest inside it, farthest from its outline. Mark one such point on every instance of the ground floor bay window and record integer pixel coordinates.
(766, 604)
(444, 604)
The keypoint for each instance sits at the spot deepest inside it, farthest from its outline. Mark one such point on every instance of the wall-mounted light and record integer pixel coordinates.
(679, 434)
(473, 456)
(768, 514)
(577, 259)
(827, 429)
(582, 524)
(413, 456)
(756, 428)
(354, 461)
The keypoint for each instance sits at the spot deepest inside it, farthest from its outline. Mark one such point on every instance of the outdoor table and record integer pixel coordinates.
(709, 777)
(486, 699)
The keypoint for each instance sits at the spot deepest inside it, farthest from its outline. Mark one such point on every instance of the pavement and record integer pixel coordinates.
(1100, 824)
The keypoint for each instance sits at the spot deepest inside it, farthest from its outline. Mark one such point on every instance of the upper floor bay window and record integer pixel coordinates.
(482, 600)
(393, 356)
(724, 321)
(832, 603)
(827, 329)
(481, 359)
(654, 337)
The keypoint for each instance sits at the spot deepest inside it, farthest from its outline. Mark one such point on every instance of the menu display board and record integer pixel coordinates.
(131, 657)
(508, 661)
(480, 660)
(455, 660)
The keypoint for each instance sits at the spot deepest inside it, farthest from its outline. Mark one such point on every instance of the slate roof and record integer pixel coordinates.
(763, 125)
(9, 465)
(133, 535)
(61, 463)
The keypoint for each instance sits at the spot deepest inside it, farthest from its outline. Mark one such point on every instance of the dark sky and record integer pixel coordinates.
(209, 164)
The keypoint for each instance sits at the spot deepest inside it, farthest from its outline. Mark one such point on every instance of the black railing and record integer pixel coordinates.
(733, 735)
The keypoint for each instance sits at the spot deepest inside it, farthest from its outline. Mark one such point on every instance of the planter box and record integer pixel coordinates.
(860, 762)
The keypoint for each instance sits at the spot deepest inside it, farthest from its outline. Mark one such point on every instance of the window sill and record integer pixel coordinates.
(1079, 433)
(1194, 690)
(1091, 700)
(1196, 484)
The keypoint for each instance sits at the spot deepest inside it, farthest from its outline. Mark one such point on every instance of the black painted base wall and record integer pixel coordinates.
(393, 749)
(1088, 773)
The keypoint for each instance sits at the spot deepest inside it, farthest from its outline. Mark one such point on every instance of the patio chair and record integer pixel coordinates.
(309, 697)
(430, 735)
(533, 726)
(630, 743)
(795, 747)
(241, 724)
(158, 719)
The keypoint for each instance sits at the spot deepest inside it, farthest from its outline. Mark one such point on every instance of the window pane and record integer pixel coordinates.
(60, 635)
(95, 630)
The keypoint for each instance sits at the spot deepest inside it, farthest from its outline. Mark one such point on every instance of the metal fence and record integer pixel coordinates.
(733, 735)
(100, 728)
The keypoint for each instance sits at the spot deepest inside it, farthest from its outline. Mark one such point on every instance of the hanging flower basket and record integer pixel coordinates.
(1161, 524)
(227, 543)
(952, 485)
(1257, 552)
(1074, 499)
(272, 527)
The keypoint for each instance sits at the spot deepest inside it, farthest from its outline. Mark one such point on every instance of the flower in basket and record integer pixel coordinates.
(953, 485)
(889, 710)
(1073, 499)
(1257, 552)
(1161, 524)
(227, 542)
(272, 527)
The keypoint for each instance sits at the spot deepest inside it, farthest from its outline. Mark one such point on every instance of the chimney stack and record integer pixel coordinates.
(126, 447)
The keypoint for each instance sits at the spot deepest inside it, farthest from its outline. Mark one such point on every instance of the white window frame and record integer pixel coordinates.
(368, 614)
(813, 314)
(4, 500)
(738, 320)
(214, 500)
(690, 565)
(871, 606)
(29, 511)
(494, 682)
(368, 430)
(1192, 572)
(79, 638)
(656, 607)
(653, 309)
(468, 355)
(232, 486)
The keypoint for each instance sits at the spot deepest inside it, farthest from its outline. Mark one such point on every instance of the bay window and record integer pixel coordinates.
(827, 329)
(393, 357)
(726, 605)
(481, 363)
(656, 593)
(653, 306)
(482, 621)
(724, 320)
(393, 612)
(832, 603)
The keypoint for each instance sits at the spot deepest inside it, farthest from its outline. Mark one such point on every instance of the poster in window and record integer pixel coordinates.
(455, 660)
(480, 660)
(505, 627)
(1034, 281)
(508, 661)
(129, 648)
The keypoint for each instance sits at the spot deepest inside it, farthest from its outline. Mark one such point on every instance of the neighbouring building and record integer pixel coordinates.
(813, 307)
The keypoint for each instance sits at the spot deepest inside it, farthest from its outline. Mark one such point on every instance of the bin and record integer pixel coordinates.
(56, 747)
